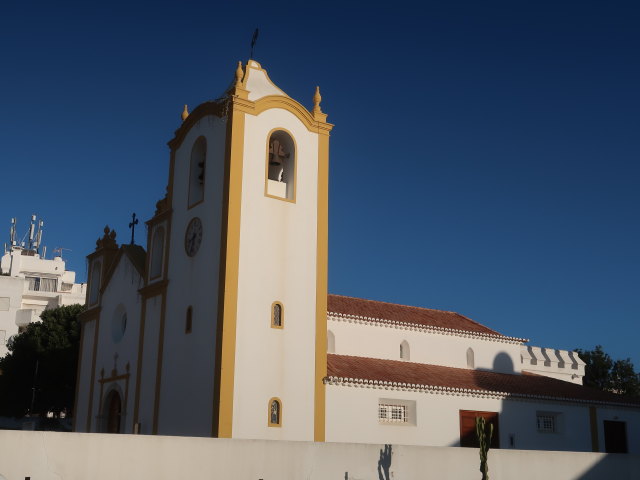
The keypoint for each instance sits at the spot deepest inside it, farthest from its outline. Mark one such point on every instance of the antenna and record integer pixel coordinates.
(59, 251)
(38, 241)
(31, 229)
(12, 232)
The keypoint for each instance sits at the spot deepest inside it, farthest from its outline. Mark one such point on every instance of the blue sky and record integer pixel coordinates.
(484, 159)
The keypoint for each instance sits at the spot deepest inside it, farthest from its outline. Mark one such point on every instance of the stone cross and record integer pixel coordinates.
(132, 226)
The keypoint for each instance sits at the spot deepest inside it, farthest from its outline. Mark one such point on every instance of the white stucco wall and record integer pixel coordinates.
(121, 293)
(148, 373)
(18, 305)
(188, 364)
(352, 417)
(11, 297)
(383, 341)
(277, 263)
(74, 456)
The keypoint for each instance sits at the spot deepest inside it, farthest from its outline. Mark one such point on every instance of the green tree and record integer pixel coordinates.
(39, 372)
(604, 373)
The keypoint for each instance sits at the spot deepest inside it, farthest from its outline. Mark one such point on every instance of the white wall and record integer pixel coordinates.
(11, 289)
(278, 254)
(188, 364)
(122, 290)
(383, 341)
(352, 417)
(74, 456)
(148, 373)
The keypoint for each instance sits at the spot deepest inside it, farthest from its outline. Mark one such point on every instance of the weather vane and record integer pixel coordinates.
(253, 42)
(132, 226)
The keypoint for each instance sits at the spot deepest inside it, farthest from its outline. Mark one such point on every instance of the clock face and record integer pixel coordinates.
(193, 237)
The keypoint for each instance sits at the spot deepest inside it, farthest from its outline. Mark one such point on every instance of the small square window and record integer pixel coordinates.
(547, 422)
(392, 413)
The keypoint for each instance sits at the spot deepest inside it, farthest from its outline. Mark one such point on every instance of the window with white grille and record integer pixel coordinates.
(392, 413)
(546, 422)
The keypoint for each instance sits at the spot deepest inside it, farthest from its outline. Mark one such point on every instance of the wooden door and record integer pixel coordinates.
(114, 412)
(615, 437)
(468, 436)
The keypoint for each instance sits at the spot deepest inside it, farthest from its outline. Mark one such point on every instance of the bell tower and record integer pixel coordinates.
(241, 306)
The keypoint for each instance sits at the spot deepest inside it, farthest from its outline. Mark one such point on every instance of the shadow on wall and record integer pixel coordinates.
(384, 464)
(502, 363)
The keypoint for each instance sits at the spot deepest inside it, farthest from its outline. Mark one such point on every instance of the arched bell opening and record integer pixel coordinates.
(281, 165)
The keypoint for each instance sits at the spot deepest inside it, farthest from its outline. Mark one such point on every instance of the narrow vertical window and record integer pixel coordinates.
(157, 253)
(94, 289)
(275, 412)
(188, 324)
(281, 166)
(471, 362)
(404, 350)
(331, 342)
(277, 315)
(197, 171)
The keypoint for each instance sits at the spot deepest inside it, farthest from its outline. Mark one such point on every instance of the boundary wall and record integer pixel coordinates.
(82, 456)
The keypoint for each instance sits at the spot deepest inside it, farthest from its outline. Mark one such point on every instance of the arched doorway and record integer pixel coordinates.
(114, 412)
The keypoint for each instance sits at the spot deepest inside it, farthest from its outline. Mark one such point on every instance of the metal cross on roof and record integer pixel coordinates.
(132, 226)
(254, 39)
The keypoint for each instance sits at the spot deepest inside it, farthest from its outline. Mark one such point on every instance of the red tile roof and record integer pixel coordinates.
(405, 314)
(521, 385)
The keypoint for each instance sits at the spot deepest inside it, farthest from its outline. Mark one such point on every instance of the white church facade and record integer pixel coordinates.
(223, 325)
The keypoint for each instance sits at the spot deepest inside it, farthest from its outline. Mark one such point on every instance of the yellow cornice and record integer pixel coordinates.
(89, 315)
(216, 108)
(153, 289)
(314, 123)
(159, 218)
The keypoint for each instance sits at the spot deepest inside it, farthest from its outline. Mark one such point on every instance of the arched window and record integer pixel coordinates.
(275, 412)
(277, 315)
(188, 324)
(118, 323)
(197, 171)
(281, 166)
(404, 350)
(331, 342)
(94, 290)
(157, 253)
(471, 361)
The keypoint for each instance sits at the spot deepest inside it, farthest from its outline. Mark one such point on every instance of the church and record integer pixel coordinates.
(223, 325)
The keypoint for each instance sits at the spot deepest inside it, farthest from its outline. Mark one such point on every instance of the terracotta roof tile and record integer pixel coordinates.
(403, 313)
(527, 384)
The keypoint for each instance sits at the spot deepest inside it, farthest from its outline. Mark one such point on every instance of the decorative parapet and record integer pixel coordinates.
(551, 362)
(108, 240)
(343, 317)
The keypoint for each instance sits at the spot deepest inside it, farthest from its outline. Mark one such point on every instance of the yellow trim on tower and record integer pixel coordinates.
(156, 399)
(314, 125)
(229, 286)
(322, 259)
